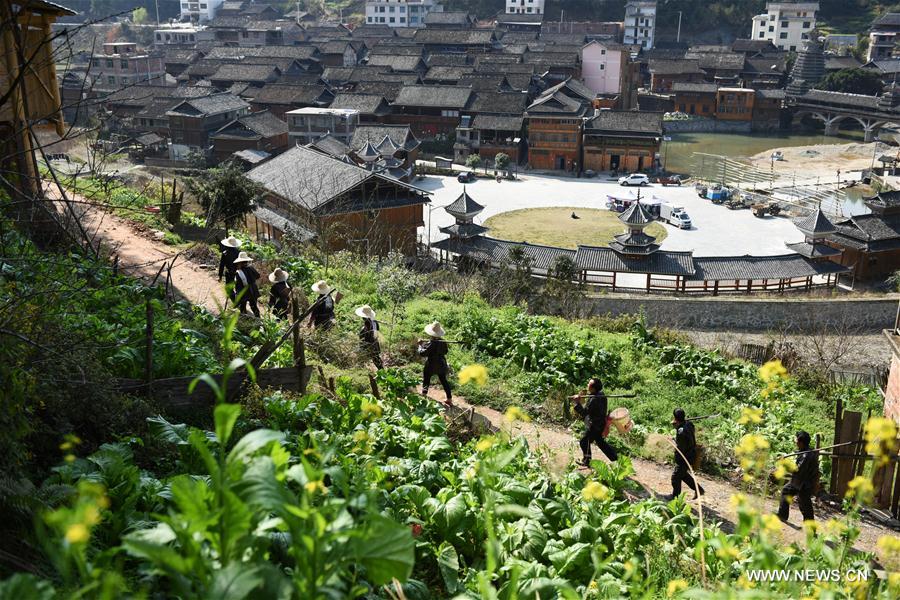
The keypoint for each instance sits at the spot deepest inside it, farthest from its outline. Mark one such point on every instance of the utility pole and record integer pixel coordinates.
(678, 35)
(157, 13)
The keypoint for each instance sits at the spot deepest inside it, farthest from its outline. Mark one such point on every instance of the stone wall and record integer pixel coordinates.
(840, 315)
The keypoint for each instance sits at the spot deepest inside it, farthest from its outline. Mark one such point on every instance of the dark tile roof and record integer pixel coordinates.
(448, 18)
(815, 224)
(836, 63)
(497, 122)
(263, 124)
(557, 103)
(245, 72)
(464, 206)
(719, 61)
(448, 74)
(813, 250)
(503, 103)
(519, 37)
(388, 89)
(662, 262)
(889, 19)
(316, 182)
(449, 37)
(636, 215)
(158, 108)
(866, 229)
(501, 63)
(513, 19)
(436, 96)
(464, 230)
(544, 60)
(295, 52)
(397, 47)
(373, 31)
(401, 135)
(887, 66)
(497, 252)
(857, 100)
(753, 46)
(629, 121)
(486, 82)
(330, 145)
(770, 94)
(367, 104)
(211, 105)
(774, 65)
(178, 56)
(448, 60)
(398, 63)
(663, 66)
(337, 75)
(695, 88)
(782, 266)
(292, 95)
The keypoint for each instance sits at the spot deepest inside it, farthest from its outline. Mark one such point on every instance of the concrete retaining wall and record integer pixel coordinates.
(842, 316)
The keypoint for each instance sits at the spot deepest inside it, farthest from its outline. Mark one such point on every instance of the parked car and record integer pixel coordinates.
(634, 179)
(466, 177)
(669, 180)
(674, 215)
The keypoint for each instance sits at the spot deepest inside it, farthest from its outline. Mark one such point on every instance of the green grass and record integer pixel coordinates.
(556, 227)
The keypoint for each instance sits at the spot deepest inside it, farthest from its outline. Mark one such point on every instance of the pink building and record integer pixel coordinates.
(607, 70)
(123, 64)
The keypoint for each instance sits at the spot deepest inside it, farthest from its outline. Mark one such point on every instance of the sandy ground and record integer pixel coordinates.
(558, 447)
(716, 231)
(142, 257)
(822, 160)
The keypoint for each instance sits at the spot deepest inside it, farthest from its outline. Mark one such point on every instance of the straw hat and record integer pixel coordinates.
(232, 242)
(365, 311)
(321, 287)
(278, 275)
(243, 257)
(434, 330)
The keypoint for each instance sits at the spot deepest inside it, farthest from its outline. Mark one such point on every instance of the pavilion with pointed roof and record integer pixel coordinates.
(634, 242)
(464, 209)
(815, 228)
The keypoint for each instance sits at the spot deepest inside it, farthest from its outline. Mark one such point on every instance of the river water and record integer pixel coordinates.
(677, 154)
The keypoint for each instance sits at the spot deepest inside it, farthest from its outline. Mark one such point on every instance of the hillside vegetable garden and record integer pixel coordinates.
(355, 496)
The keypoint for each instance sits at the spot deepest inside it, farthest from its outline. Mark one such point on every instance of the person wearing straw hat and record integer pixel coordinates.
(246, 291)
(230, 248)
(322, 316)
(435, 352)
(368, 335)
(594, 413)
(686, 442)
(279, 293)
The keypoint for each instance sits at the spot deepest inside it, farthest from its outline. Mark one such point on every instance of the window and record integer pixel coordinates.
(391, 19)
(771, 28)
(602, 67)
(784, 24)
(123, 64)
(96, 62)
(602, 52)
(203, 6)
(391, 9)
(528, 9)
(109, 63)
(124, 81)
(381, 19)
(449, 113)
(403, 19)
(191, 37)
(793, 48)
(762, 34)
(806, 24)
(403, 9)
(159, 37)
(369, 19)
(783, 35)
(111, 79)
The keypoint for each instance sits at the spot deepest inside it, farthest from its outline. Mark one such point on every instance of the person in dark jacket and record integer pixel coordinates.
(435, 352)
(686, 441)
(594, 413)
(279, 293)
(803, 481)
(246, 290)
(322, 316)
(230, 248)
(368, 335)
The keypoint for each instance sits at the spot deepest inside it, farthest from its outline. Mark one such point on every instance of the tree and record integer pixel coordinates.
(853, 81)
(501, 162)
(225, 194)
(139, 15)
(474, 161)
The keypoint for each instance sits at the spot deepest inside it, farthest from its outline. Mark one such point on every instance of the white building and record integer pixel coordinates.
(308, 124)
(200, 10)
(524, 7)
(640, 23)
(786, 24)
(400, 13)
(182, 35)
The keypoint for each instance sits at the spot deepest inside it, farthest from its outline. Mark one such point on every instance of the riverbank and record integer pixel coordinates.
(822, 160)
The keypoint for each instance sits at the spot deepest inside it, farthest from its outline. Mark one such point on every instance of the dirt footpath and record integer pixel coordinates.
(559, 447)
(142, 257)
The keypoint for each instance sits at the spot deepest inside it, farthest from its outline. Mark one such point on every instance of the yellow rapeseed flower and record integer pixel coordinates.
(595, 490)
(860, 489)
(371, 409)
(771, 370)
(675, 586)
(728, 552)
(750, 416)
(881, 439)
(360, 435)
(514, 413)
(485, 443)
(889, 545)
(77, 533)
(833, 528)
(894, 581)
(738, 500)
(315, 486)
(477, 374)
(771, 524)
(753, 452)
(784, 467)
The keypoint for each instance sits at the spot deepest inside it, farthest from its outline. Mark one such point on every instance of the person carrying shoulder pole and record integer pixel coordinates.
(230, 248)
(322, 316)
(435, 352)
(686, 442)
(595, 413)
(803, 481)
(279, 293)
(246, 291)
(368, 335)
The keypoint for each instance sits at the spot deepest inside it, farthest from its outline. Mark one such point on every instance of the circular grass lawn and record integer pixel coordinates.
(556, 227)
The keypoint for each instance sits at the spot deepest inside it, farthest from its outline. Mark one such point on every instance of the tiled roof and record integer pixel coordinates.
(295, 52)
(774, 66)
(244, 72)
(498, 251)
(815, 224)
(813, 250)
(497, 122)
(213, 104)
(557, 103)
(519, 37)
(836, 63)
(399, 134)
(783, 266)
(725, 61)
(330, 145)
(449, 74)
(263, 124)
(747, 45)
(890, 19)
(636, 215)
(398, 63)
(291, 94)
(696, 88)
(663, 66)
(506, 103)
(464, 230)
(448, 60)
(436, 96)
(179, 56)
(389, 89)
(369, 104)
(448, 37)
(394, 47)
(630, 121)
(316, 182)
(464, 206)
(485, 82)
(841, 98)
(662, 262)
(458, 18)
